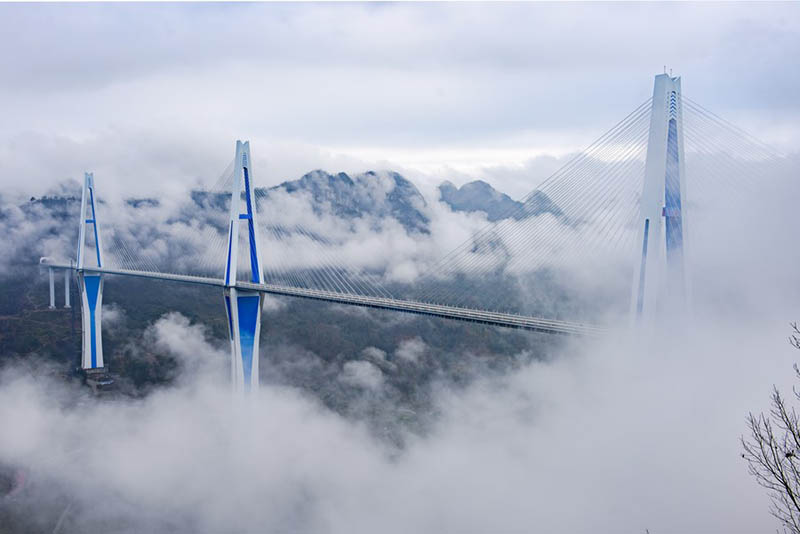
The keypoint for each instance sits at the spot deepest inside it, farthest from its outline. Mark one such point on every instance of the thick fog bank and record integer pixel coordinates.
(615, 435)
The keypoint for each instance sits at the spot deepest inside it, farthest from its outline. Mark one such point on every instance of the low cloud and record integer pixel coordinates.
(273, 304)
(113, 316)
(614, 435)
(410, 350)
(362, 374)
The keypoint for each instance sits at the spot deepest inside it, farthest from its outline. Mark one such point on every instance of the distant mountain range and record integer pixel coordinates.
(371, 193)
(480, 196)
(374, 194)
(390, 194)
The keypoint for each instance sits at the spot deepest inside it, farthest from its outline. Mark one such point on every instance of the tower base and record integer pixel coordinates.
(99, 380)
(244, 322)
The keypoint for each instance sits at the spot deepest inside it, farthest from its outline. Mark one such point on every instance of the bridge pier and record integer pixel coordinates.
(91, 287)
(66, 288)
(51, 276)
(659, 273)
(52, 289)
(243, 308)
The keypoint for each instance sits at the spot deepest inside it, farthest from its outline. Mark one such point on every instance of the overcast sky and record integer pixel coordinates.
(155, 95)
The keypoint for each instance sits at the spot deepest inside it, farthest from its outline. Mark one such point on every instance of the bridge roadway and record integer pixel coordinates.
(505, 320)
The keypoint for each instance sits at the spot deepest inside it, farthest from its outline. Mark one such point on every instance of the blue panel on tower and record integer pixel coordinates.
(230, 319)
(255, 271)
(249, 314)
(672, 199)
(92, 286)
(94, 225)
(228, 263)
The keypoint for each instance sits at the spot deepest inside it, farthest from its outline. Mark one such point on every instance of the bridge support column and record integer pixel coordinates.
(66, 288)
(659, 272)
(90, 285)
(52, 289)
(243, 307)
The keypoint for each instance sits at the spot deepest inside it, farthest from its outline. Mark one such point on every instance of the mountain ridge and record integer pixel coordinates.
(378, 194)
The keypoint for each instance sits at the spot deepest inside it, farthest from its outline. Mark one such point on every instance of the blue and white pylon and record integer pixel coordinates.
(660, 269)
(243, 307)
(91, 285)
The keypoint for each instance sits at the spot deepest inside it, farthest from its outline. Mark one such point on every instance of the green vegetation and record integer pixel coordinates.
(304, 344)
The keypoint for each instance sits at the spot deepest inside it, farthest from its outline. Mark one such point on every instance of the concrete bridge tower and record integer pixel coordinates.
(243, 307)
(660, 271)
(90, 284)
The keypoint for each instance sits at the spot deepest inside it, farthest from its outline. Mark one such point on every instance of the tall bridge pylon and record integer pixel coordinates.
(243, 307)
(659, 274)
(90, 283)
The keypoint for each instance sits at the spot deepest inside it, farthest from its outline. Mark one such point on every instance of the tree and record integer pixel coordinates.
(772, 451)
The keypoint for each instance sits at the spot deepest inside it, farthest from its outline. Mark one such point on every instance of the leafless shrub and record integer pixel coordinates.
(771, 451)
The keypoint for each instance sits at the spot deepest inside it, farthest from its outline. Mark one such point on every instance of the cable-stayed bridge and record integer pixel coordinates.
(505, 320)
(623, 205)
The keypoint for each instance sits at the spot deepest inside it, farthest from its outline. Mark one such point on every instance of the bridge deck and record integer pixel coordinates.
(506, 320)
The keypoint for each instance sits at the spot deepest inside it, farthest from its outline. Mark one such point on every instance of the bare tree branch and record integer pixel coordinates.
(772, 452)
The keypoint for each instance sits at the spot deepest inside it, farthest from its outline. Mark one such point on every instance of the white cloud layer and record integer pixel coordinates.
(616, 436)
